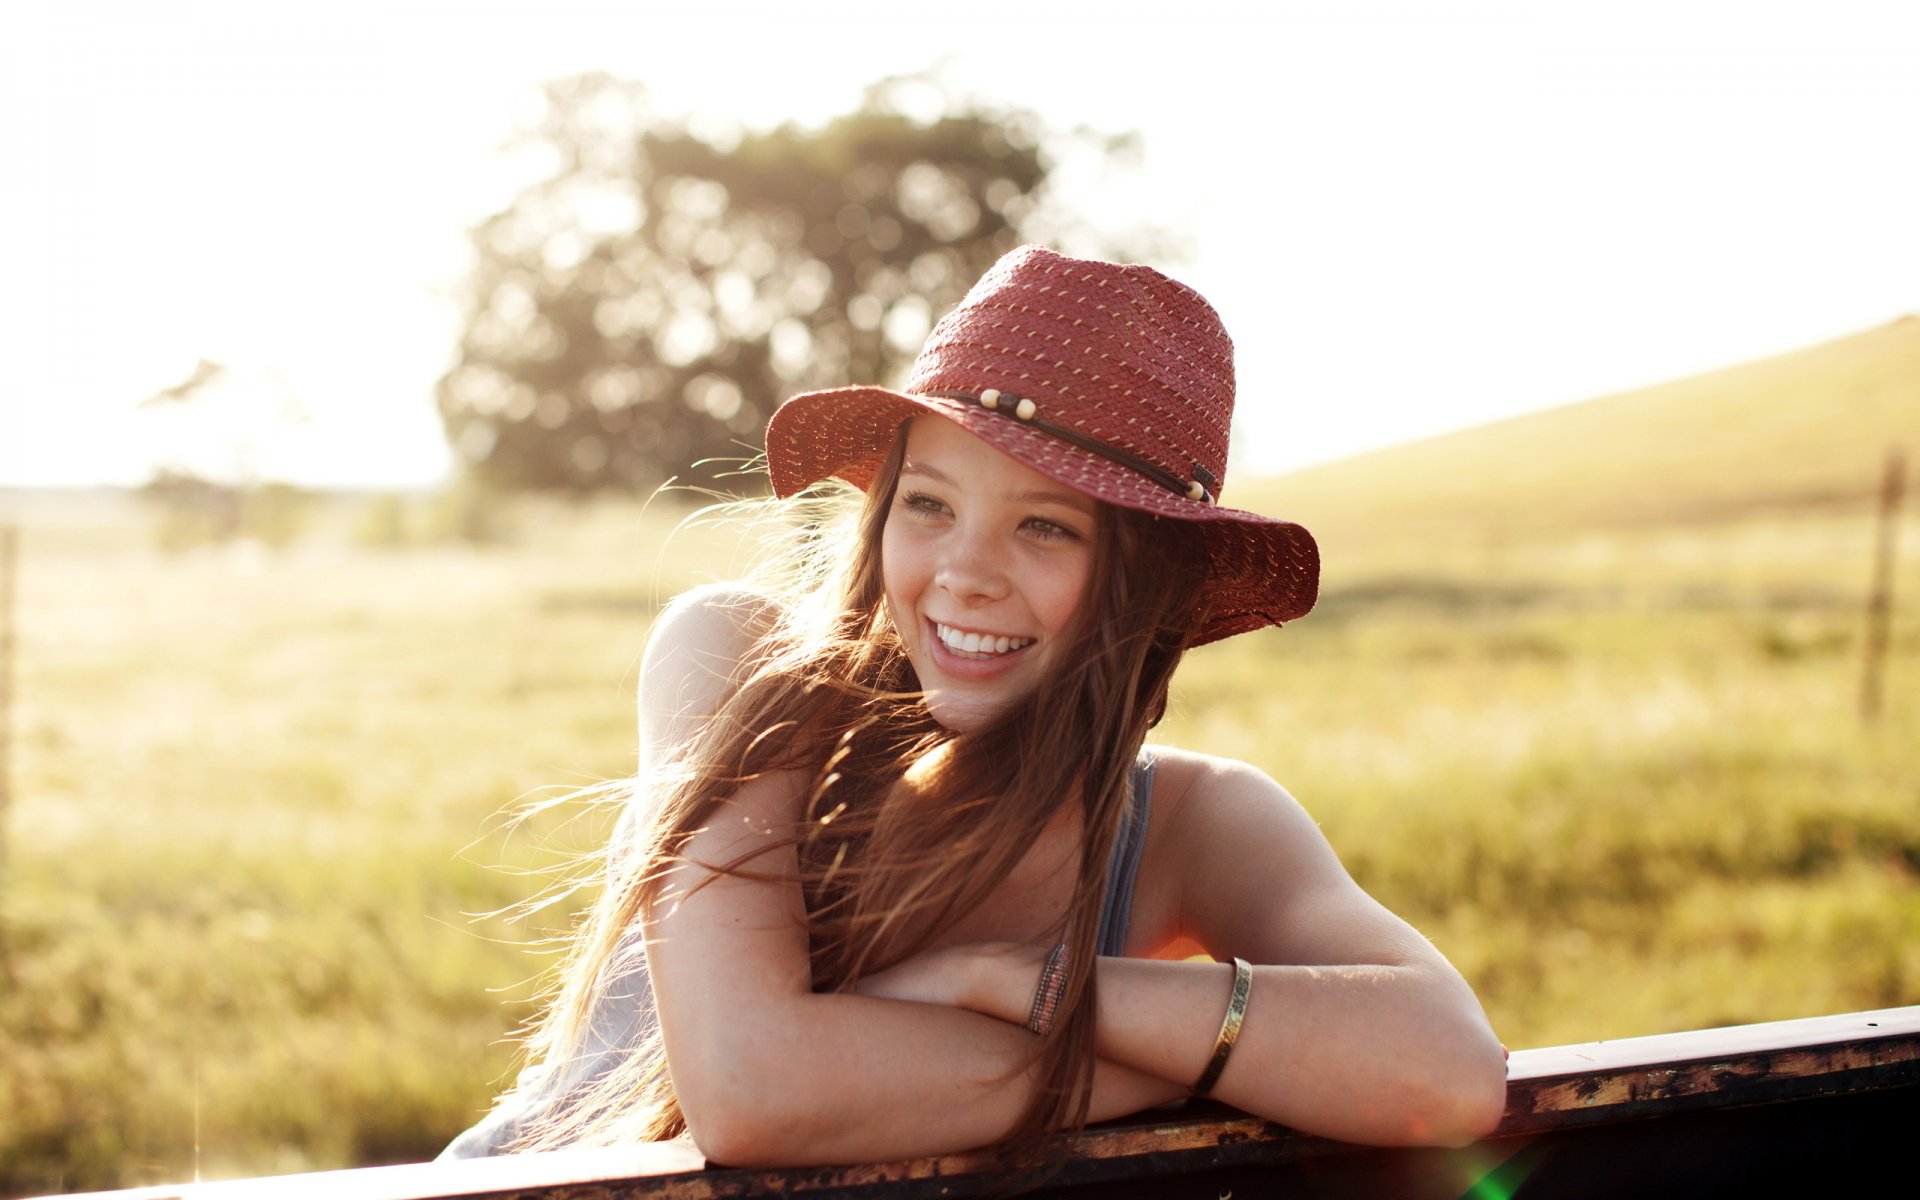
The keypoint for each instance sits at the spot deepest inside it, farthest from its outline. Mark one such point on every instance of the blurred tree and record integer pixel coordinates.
(194, 510)
(636, 314)
(220, 496)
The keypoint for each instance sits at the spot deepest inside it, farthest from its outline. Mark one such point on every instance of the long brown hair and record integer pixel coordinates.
(906, 826)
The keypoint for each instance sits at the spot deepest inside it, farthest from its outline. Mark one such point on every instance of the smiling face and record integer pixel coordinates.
(985, 562)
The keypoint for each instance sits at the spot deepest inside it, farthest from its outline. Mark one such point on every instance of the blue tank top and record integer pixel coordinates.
(622, 1015)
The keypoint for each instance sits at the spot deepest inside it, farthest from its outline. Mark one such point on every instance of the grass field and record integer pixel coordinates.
(1611, 764)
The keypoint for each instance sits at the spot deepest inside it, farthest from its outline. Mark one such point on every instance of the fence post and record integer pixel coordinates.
(9, 555)
(1880, 596)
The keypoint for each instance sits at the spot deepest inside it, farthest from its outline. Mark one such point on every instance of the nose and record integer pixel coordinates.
(971, 567)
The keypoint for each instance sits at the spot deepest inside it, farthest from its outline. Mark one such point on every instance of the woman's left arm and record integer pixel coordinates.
(1356, 1028)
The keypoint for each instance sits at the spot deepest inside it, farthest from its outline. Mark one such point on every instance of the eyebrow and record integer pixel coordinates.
(1066, 499)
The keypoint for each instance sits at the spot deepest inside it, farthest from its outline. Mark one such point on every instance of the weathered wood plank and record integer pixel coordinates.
(1743, 1064)
(1552, 1094)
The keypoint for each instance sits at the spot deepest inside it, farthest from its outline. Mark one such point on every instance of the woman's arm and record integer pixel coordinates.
(766, 1071)
(1356, 1027)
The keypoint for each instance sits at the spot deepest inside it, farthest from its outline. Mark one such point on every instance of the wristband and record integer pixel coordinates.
(1229, 1027)
(1046, 998)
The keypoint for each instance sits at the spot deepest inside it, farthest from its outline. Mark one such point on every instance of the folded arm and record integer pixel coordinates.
(1356, 1027)
(768, 1072)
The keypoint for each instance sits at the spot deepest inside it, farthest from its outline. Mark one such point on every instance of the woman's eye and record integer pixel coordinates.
(921, 503)
(1050, 531)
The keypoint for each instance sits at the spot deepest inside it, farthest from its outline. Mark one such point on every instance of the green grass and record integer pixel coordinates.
(1612, 767)
(257, 803)
(1616, 820)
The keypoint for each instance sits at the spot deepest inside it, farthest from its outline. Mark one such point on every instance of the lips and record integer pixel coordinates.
(975, 645)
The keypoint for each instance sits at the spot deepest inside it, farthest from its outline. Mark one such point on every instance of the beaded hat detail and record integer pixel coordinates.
(1111, 379)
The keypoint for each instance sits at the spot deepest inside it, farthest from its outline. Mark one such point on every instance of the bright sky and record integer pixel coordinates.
(1414, 215)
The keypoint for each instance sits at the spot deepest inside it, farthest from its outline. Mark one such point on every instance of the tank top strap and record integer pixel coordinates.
(1123, 867)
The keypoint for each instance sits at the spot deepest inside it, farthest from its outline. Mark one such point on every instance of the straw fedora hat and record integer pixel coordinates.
(1112, 379)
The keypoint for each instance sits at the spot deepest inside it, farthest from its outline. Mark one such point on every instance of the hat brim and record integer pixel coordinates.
(1261, 570)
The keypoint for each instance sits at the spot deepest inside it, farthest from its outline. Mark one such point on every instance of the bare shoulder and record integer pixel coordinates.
(1219, 818)
(696, 651)
(718, 621)
(1254, 874)
(1193, 789)
(1256, 877)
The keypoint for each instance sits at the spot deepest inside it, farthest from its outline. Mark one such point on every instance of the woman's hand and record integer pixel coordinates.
(997, 979)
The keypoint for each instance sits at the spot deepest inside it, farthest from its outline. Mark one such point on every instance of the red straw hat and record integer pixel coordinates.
(1111, 379)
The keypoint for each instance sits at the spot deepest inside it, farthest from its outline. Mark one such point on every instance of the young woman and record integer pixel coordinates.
(898, 874)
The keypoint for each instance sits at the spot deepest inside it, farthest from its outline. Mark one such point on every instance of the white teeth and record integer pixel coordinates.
(978, 643)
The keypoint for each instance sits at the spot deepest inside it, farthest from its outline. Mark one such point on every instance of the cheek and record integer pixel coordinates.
(899, 569)
(1060, 596)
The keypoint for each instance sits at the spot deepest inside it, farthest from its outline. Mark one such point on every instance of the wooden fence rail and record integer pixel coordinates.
(1823, 1101)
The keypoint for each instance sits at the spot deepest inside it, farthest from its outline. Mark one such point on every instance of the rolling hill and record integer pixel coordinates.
(1802, 433)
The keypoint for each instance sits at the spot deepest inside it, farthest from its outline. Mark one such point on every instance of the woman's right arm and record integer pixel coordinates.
(767, 1071)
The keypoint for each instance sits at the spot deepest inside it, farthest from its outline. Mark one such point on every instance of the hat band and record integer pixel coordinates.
(1026, 412)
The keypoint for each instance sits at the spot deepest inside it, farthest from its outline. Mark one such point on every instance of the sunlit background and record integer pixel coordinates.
(1615, 700)
(1414, 216)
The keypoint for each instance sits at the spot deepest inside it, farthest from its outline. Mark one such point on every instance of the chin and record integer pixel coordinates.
(962, 714)
(968, 705)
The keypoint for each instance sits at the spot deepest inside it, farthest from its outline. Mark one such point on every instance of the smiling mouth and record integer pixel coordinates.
(978, 645)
